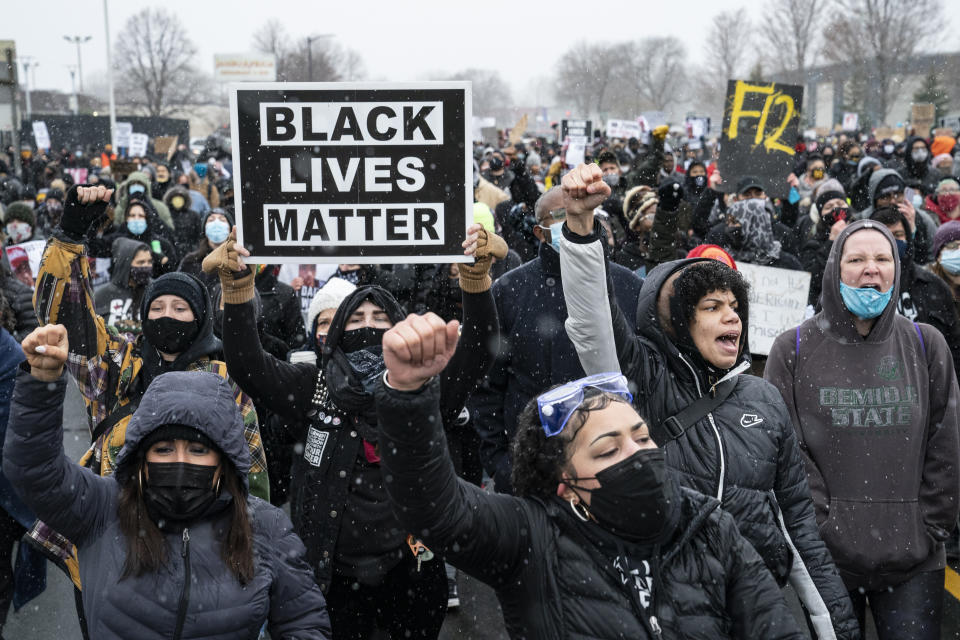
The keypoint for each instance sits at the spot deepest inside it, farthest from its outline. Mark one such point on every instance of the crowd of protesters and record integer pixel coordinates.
(572, 418)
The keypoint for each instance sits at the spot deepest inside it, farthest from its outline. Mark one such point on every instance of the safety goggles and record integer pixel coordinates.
(557, 405)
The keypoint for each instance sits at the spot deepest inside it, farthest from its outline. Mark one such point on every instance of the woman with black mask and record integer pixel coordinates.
(371, 570)
(599, 540)
(694, 182)
(111, 370)
(173, 546)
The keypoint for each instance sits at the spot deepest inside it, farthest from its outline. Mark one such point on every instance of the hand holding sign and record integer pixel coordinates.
(484, 246)
(226, 259)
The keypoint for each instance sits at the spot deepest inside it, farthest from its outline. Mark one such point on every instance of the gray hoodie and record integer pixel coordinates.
(877, 418)
(117, 302)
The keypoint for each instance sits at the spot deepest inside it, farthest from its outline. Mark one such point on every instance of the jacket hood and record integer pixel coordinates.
(201, 400)
(875, 179)
(178, 190)
(137, 177)
(918, 169)
(377, 295)
(206, 343)
(154, 223)
(835, 320)
(123, 251)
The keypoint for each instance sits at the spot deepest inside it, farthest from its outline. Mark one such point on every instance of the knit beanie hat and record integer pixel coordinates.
(865, 164)
(181, 285)
(329, 296)
(223, 212)
(483, 216)
(946, 233)
(176, 432)
(892, 183)
(19, 211)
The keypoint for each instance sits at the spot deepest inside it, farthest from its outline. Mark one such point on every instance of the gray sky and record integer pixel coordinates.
(398, 41)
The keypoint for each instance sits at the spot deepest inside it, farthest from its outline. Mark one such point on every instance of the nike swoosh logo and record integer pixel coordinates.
(750, 421)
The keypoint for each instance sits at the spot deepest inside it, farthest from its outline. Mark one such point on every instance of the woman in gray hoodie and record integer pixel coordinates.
(874, 399)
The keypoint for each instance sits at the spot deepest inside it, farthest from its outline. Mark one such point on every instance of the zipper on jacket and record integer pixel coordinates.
(657, 587)
(185, 593)
(716, 432)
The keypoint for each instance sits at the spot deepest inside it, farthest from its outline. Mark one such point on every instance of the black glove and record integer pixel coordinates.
(78, 218)
(670, 194)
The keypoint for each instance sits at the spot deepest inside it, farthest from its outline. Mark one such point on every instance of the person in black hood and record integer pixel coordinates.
(695, 182)
(187, 230)
(118, 302)
(917, 171)
(364, 561)
(687, 342)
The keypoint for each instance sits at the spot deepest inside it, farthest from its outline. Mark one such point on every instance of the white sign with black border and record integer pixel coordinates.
(352, 173)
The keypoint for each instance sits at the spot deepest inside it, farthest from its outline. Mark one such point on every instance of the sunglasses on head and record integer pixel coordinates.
(558, 405)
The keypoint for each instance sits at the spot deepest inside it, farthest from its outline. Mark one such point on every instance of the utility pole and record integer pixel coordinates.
(113, 105)
(310, 40)
(78, 40)
(73, 83)
(28, 63)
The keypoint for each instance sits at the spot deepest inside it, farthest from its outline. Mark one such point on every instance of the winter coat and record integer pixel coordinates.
(164, 251)
(195, 588)
(862, 407)
(926, 227)
(187, 229)
(553, 581)
(123, 194)
(282, 320)
(920, 175)
(534, 355)
(744, 452)
(117, 302)
(192, 263)
(20, 298)
(334, 473)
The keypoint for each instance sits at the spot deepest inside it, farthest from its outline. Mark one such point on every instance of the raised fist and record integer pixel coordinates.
(418, 348)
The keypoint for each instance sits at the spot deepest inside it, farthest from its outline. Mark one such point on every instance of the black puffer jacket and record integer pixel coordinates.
(744, 453)
(552, 580)
(20, 298)
(83, 506)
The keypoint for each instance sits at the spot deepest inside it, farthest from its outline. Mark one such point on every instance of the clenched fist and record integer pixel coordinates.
(46, 351)
(583, 191)
(418, 348)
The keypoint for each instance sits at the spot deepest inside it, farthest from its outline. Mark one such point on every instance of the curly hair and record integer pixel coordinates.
(698, 280)
(538, 460)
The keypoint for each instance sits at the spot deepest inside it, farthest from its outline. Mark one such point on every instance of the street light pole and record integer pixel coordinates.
(73, 83)
(113, 105)
(27, 64)
(310, 40)
(78, 40)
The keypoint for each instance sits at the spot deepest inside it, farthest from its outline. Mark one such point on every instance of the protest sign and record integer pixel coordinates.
(516, 133)
(944, 131)
(851, 121)
(138, 144)
(79, 174)
(124, 131)
(40, 135)
(479, 124)
(576, 129)
(778, 302)
(24, 259)
(352, 172)
(760, 125)
(624, 129)
(165, 146)
(697, 127)
(922, 115)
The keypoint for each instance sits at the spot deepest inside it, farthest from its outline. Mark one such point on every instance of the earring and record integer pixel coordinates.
(219, 480)
(585, 516)
(140, 482)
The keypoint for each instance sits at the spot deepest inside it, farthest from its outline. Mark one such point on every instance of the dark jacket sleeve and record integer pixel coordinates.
(281, 387)
(701, 212)
(754, 602)
(649, 169)
(20, 298)
(663, 237)
(940, 484)
(293, 332)
(73, 501)
(297, 608)
(486, 535)
(523, 188)
(814, 576)
(476, 349)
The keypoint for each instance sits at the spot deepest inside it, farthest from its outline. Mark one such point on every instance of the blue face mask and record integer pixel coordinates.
(137, 188)
(950, 261)
(137, 226)
(217, 231)
(902, 249)
(556, 232)
(865, 303)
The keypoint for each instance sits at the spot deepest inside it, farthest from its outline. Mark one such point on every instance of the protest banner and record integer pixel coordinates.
(922, 116)
(623, 129)
(352, 172)
(778, 302)
(138, 144)
(851, 121)
(760, 125)
(24, 259)
(697, 127)
(124, 131)
(40, 134)
(576, 129)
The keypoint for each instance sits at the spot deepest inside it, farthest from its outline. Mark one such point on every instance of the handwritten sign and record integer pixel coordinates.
(778, 302)
(624, 129)
(138, 144)
(760, 125)
(851, 121)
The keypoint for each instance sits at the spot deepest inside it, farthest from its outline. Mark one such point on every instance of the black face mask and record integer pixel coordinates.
(637, 499)
(357, 339)
(735, 237)
(353, 277)
(496, 163)
(141, 275)
(169, 335)
(179, 491)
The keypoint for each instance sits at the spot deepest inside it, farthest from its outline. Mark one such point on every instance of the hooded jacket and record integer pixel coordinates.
(862, 407)
(164, 252)
(195, 587)
(920, 175)
(925, 225)
(338, 503)
(117, 302)
(123, 194)
(187, 230)
(552, 579)
(743, 453)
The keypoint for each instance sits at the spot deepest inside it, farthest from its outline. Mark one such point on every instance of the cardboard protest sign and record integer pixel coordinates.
(516, 134)
(138, 144)
(352, 172)
(778, 302)
(922, 116)
(165, 146)
(40, 135)
(124, 131)
(760, 125)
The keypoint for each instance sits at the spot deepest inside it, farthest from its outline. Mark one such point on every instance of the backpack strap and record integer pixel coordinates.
(677, 425)
(923, 344)
(107, 424)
